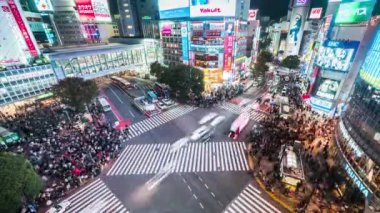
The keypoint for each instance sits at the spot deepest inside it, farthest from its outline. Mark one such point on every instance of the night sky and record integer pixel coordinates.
(278, 8)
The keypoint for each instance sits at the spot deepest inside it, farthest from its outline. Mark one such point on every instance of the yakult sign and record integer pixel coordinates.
(210, 8)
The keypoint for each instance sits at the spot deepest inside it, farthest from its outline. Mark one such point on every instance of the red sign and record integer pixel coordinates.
(315, 13)
(228, 50)
(21, 25)
(85, 10)
(252, 14)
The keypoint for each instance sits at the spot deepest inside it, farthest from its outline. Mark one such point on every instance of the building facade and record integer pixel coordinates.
(358, 132)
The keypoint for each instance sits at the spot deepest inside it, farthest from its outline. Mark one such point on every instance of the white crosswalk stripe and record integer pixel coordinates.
(256, 116)
(250, 201)
(95, 197)
(195, 157)
(143, 126)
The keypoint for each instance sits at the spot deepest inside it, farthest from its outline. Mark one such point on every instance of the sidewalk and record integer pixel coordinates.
(286, 202)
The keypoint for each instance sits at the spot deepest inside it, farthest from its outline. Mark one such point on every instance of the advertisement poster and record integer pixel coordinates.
(212, 8)
(23, 28)
(354, 12)
(328, 88)
(85, 10)
(316, 13)
(301, 3)
(185, 43)
(174, 9)
(252, 14)
(297, 22)
(336, 55)
(166, 29)
(228, 45)
(101, 10)
(43, 5)
(93, 10)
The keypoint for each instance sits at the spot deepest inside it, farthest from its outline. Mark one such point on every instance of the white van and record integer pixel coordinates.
(202, 134)
(104, 103)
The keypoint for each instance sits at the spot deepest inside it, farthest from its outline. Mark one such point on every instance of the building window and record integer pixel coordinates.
(125, 5)
(130, 27)
(131, 34)
(128, 16)
(126, 11)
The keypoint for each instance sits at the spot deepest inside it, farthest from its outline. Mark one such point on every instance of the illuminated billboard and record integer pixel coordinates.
(252, 14)
(301, 3)
(354, 12)
(17, 44)
(229, 37)
(93, 10)
(43, 5)
(370, 70)
(337, 55)
(212, 8)
(297, 23)
(327, 89)
(185, 42)
(174, 9)
(316, 13)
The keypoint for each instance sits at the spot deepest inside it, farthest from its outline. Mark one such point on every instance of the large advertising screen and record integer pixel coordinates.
(252, 14)
(370, 70)
(93, 10)
(43, 5)
(337, 55)
(174, 9)
(212, 8)
(327, 89)
(297, 22)
(354, 12)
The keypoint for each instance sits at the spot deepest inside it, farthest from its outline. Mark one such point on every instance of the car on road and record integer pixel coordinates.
(255, 84)
(59, 208)
(208, 118)
(218, 120)
(202, 134)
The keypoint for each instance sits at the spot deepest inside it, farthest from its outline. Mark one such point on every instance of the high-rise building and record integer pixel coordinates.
(341, 48)
(138, 18)
(209, 35)
(18, 46)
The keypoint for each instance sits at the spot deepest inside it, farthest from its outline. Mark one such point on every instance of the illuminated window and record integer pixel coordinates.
(128, 16)
(130, 27)
(125, 5)
(126, 11)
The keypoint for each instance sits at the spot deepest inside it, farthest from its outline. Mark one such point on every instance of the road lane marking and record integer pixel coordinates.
(118, 98)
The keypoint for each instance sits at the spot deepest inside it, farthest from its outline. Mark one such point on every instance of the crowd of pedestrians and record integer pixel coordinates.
(216, 95)
(65, 148)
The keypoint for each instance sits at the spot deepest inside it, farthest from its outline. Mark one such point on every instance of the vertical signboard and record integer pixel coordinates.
(228, 45)
(316, 13)
(43, 5)
(185, 43)
(297, 22)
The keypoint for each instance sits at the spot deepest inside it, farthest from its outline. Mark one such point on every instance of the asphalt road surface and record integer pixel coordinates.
(202, 177)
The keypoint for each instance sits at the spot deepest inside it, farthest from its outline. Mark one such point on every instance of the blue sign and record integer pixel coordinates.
(175, 13)
(358, 182)
(185, 43)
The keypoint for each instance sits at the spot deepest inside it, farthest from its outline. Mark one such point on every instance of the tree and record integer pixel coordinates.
(182, 79)
(18, 182)
(76, 92)
(291, 62)
(265, 57)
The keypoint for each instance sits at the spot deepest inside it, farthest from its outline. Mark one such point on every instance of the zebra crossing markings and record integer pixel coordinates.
(145, 125)
(95, 197)
(256, 116)
(249, 201)
(195, 157)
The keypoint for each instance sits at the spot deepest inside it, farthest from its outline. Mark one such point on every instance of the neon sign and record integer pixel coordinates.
(352, 174)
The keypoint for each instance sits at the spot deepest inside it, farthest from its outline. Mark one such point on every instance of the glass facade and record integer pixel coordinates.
(96, 63)
(19, 84)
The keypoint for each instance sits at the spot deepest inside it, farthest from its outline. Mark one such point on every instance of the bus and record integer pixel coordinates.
(121, 83)
(7, 136)
(238, 125)
(104, 104)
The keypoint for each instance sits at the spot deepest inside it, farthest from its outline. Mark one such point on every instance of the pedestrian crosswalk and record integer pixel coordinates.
(249, 201)
(194, 157)
(256, 116)
(143, 126)
(95, 197)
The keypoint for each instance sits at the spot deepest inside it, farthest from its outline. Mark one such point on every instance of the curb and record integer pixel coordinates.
(274, 197)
